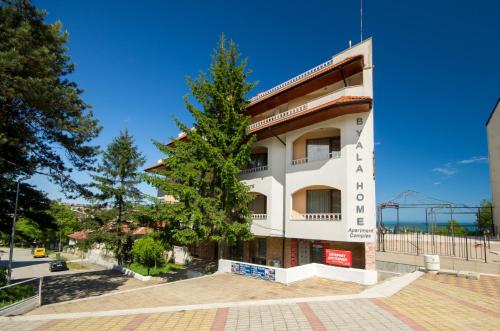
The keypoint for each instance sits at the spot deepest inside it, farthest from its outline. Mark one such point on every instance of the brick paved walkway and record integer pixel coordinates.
(216, 288)
(430, 303)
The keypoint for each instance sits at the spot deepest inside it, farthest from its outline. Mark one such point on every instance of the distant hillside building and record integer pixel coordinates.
(493, 131)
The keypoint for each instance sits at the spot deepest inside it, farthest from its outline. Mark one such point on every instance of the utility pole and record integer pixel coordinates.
(13, 232)
(12, 235)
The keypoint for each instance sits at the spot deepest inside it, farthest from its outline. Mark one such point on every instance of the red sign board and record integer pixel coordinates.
(336, 257)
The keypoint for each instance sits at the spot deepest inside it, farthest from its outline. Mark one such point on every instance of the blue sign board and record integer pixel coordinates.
(260, 272)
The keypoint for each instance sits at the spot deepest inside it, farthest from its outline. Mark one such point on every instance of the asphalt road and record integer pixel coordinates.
(25, 266)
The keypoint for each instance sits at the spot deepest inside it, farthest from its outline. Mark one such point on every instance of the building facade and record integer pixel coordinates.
(493, 132)
(312, 168)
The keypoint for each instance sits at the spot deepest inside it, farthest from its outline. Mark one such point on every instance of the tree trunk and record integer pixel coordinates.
(220, 250)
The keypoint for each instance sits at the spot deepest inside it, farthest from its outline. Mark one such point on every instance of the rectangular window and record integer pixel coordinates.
(262, 248)
(320, 149)
(258, 205)
(257, 160)
(323, 201)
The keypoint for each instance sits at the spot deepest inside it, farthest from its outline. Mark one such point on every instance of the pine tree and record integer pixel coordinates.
(117, 184)
(45, 126)
(41, 112)
(119, 174)
(201, 171)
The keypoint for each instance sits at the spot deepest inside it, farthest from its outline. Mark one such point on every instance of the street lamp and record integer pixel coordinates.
(13, 233)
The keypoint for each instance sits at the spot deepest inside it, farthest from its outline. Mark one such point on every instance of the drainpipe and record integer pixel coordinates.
(284, 199)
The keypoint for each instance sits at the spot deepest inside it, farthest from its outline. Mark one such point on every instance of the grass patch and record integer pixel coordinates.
(15, 293)
(140, 269)
(75, 266)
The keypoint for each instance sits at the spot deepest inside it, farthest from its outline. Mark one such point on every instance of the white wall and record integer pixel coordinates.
(493, 131)
(295, 274)
(347, 173)
(269, 183)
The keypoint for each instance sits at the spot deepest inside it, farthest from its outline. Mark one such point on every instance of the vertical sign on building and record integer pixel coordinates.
(358, 230)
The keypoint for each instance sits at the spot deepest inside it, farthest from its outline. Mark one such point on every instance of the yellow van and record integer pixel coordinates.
(40, 252)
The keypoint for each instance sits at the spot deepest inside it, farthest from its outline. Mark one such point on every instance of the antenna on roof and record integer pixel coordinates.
(361, 19)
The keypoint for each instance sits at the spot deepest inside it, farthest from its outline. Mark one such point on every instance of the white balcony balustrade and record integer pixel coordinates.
(304, 160)
(355, 90)
(259, 217)
(252, 170)
(292, 80)
(317, 217)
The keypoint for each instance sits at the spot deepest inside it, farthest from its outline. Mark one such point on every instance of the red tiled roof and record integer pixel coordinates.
(142, 230)
(345, 100)
(80, 235)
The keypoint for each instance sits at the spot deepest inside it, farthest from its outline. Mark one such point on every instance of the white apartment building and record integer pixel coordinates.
(312, 169)
(493, 132)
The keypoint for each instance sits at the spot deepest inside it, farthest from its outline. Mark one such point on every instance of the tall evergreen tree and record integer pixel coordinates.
(117, 181)
(201, 171)
(45, 126)
(41, 111)
(118, 175)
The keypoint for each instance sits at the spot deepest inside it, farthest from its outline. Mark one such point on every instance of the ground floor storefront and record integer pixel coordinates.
(291, 252)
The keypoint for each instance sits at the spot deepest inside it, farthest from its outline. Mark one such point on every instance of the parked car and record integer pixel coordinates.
(58, 265)
(40, 252)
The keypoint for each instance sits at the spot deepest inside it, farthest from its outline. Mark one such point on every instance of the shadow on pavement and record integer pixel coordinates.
(75, 286)
(20, 264)
(196, 268)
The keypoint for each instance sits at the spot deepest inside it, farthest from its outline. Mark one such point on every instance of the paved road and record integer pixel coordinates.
(430, 303)
(24, 265)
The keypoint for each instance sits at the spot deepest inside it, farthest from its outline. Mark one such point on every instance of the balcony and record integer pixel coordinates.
(252, 170)
(258, 161)
(316, 203)
(345, 94)
(304, 160)
(317, 217)
(259, 217)
(317, 145)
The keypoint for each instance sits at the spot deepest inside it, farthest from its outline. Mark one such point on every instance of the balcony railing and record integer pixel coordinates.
(252, 170)
(259, 217)
(331, 155)
(277, 117)
(317, 217)
(292, 80)
(355, 90)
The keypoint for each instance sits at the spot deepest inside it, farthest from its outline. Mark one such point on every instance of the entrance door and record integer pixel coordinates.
(304, 252)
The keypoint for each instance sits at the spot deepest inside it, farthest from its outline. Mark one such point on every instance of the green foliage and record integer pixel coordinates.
(158, 271)
(3, 277)
(452, 228)
(201, 172)
(15, 293)
(42, 115)
(116, 181)
(148, 252)
(118, 174)
(120, 243)
(485, 217)
(28, 230)
(33, 205)
(66, 220)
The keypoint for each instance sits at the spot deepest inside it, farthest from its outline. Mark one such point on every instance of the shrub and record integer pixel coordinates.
(148, 252)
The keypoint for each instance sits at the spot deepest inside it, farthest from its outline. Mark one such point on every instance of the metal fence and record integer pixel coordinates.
(20, 297)
(459, 246)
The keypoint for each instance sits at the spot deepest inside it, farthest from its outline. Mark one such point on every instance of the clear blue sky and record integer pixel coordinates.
(436, 77)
